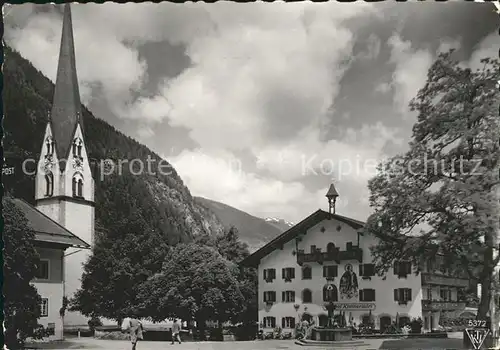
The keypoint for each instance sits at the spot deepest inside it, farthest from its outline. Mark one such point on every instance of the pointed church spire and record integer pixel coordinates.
(66, 106)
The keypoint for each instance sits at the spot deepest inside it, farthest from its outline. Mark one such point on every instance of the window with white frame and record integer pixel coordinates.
(269, 322)
(288, 296)
(288, 322)
(44, 307)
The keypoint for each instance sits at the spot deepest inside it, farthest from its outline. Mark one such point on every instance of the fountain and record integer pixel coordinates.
(337, 333)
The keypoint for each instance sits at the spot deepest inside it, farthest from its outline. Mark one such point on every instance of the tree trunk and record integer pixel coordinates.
(484, 301)
(200, 324)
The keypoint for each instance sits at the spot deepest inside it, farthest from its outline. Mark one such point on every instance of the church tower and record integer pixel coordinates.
(64, 188)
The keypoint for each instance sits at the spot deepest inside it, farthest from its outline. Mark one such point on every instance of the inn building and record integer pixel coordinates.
(324, 262)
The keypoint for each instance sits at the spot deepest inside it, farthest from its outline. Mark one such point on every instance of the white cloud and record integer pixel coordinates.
(410, 73)
(262, 78)
(219, 176)
(487, 48)
(447, 44)
(102, 60)
(373, 46)
(260, 66)
(350, 158)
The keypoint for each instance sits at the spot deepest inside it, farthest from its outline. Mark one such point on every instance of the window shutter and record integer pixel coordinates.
(293, 297)
(408, 267)
(292, 270)
(283, 322)
(265, 274)
(273, 273)
(371, 270)
(396, 267)
(292, 322)
(265, 296)
(373, 294)
(361, 269)
(324, 271)
(396, 294)
(335, 271)
(283, 273)
(283, 296)
(361, 295)
(409, 294)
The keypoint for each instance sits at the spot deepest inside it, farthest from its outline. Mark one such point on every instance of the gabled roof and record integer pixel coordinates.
(293, 232)
(46, 229)
(66, 105)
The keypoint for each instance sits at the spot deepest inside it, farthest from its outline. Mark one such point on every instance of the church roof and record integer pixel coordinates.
(293, 232)
(46, 229)
(66, 106)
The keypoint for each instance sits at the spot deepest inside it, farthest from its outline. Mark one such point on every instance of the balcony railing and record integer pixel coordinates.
(337, 256)
(432, 279)
(432, 305)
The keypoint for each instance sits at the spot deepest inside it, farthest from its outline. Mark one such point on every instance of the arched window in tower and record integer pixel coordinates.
(80, 188)
(49, 143)
(49, 185)
(77, 147)
(77, 185)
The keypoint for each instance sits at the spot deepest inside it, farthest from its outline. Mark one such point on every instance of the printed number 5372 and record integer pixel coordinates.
(476, 323)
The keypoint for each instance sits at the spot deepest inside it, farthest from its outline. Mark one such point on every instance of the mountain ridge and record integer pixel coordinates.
(252, 230)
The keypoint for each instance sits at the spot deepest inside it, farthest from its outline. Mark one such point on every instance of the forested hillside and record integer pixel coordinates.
(161, 202)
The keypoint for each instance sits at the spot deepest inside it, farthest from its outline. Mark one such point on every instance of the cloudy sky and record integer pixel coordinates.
(253, 103)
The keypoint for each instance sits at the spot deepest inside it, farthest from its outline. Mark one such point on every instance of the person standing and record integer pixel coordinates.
(176, 330)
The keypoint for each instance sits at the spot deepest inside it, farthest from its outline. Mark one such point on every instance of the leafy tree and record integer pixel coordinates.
(442, 193)
(234, 250)
(230, 246)
(120, 262)
(195, 283)
(22, 301)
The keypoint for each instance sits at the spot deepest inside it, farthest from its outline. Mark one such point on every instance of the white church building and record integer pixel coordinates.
(63, 215)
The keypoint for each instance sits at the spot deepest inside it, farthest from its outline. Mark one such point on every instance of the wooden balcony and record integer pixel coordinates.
(337, 256)
(432, 279)
(432, 305)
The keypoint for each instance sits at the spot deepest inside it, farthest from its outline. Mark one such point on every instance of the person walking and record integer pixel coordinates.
(176, 330)
(135, 329)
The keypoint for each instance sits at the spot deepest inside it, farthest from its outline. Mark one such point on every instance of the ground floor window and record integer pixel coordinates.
(365, 319)
(51, 328)
(288, 322)
(269, 322)
(403, 321)
(385, 321)
(44, 307)
(306, 317)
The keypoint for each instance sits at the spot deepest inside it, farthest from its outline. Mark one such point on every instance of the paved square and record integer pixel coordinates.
(375, 344)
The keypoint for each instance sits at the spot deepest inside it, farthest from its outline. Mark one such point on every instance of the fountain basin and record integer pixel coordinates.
(331, 334)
